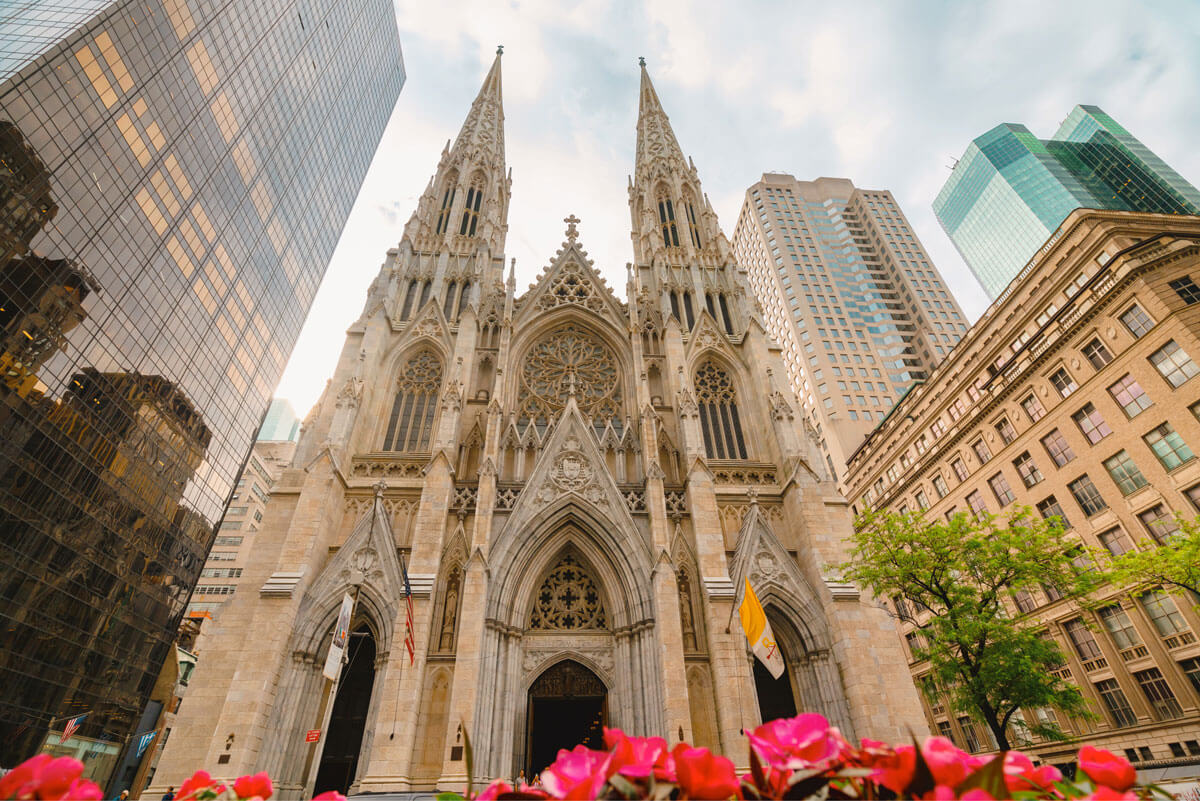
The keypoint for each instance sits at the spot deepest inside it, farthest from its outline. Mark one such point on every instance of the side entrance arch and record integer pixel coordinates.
(568, 706)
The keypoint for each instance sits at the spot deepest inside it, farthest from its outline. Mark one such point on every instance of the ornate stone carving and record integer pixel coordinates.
(449, 611)
(570, 362)
(571, 472)
(571, 285)
(568, 599)
(350, 394)
(568, 679)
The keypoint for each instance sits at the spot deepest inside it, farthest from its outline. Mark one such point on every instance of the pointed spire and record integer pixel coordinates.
(483, 129)
(655, 139)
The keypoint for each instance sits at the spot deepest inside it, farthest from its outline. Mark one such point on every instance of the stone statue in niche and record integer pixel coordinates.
(685, 613)
(449, 612)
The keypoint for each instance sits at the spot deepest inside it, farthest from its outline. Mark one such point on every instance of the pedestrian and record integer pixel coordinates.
(521, 779)
(169, 795)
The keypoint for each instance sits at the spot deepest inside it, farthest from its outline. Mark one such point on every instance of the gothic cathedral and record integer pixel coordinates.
(578, 487)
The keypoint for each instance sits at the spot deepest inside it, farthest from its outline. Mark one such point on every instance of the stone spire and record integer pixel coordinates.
(657, 148)
(465, 206)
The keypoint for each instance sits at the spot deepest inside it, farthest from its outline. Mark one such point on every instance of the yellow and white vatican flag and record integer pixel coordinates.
(758, 632)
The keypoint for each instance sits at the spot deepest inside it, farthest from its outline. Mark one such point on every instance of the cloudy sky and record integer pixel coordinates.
(886, 94)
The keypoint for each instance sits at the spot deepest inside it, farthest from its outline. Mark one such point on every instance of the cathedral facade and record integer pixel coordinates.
(576, 487)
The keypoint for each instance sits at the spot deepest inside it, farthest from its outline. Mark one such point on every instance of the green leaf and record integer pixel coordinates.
(448, 797)
(623, 786)
(989, 778)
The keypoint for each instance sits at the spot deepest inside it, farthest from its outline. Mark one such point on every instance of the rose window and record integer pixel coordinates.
(568, 599)
(570, 361)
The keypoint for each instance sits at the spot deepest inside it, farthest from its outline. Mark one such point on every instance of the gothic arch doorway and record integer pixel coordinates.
(778, 697)
(567, 707)
(347, 721)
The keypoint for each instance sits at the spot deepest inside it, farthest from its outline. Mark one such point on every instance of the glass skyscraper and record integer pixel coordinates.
(1010, 191)
(174, 176)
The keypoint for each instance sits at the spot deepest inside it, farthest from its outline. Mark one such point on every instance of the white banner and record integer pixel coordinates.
(341, 632)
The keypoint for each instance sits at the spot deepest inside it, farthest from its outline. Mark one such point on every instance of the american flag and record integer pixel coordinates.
(410, 640)
(72, 726)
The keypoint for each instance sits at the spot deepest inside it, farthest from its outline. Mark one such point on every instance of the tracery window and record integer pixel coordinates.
(692, 226)
(470, 218)
(463, 296)
(409, 296)
(410, 427)
(688, 312)
(448, 303)
(568, 599)
(443, 218)
(570, 361)
(666, 220)
(425, 290)
(719, 419)
(674, 297)
(725, 314)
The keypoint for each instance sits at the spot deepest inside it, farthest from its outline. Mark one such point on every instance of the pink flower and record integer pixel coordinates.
(948, 764)
(577, 774)
(330, 795)
(49, 779)
(802, 742)
(1021, 775)
(1106, 768)
(894, 770)
(638, 757)
(200, 782)
(84, 790)
(256, 786)
(492, 791)
(1103, 793)
(702, 774)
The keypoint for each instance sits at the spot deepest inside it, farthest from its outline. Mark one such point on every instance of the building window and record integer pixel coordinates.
(1168, 446)
(443, 218)
(1050, 507)
(1173, 364)
(1130, 396)
(976, 504)
(688, 311)
(981, 451)
(1124, 472)
(227, 540)
(1001, 489)
(1186, 289)
(1091, 423)
(410, 426)
(1158, 693)
(1033, 407)
(470, 218)
(725, 318)
(1096, 353)
(1056, 445)
(1137, 321)
(960, 469)
(1159, 523)
(1027, 469)
(1163, 612)
(1087, 496)
(1116, 541)
(1005, 430)
(939, 485)
(666, 220)
(1191, 668)
(1024, 600)
(1116, 703)
(1063, 382)
(922, 500)
(970, 736)
(719, 420)
(1120, 627)
(1083, 641)
(689, 208)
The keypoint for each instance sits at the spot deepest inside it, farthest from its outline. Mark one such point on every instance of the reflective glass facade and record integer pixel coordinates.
(174, 176)
(1011, 190)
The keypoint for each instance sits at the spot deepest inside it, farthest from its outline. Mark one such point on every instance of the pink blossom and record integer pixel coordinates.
(1106, 768)
(948, 764)
(1021, 775)
(799, 743)
(639, 757)
(703, 774)
(579, 773)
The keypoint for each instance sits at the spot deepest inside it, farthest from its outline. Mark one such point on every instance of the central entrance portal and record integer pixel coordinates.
(567, 707)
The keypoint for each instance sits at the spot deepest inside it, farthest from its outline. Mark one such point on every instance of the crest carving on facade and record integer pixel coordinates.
(572, 472)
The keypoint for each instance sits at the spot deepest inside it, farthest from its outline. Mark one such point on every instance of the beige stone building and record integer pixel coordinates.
(578, 486)
(850, 294)
(1076, 394)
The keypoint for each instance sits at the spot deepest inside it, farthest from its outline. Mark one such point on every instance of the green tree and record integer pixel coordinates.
(1175, 563)
(950, 579)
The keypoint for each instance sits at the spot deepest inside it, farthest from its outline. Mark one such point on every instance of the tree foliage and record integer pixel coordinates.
(1175, 564)
(951, 579)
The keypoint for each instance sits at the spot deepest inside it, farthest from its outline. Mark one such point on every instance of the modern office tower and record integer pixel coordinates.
(1077, 394)
(174, 177)
(850, 293)
(281, 423)
(1011, 190)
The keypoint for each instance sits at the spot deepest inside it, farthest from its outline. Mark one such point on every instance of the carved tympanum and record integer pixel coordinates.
(568, 599)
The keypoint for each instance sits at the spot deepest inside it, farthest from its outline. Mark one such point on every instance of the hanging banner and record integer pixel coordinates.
(341, 632)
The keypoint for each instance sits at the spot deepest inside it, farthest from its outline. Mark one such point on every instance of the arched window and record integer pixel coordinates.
(712, 307)
(463, 297)
(666, 219)
(675, 304)
(719, 419)
(692, 226)
(410, 427)
(443, 218)
(687, 310)
(570, 362)
(470, 218)
(448, 303)
(408, 299)
(725, 315)
(428, 286)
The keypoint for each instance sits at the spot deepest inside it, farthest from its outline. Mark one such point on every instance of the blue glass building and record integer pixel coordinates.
(1011, 190)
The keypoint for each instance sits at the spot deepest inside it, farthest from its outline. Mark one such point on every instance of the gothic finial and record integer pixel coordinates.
(379, 487)
(572, 232)
(641, 61)
(499, 50)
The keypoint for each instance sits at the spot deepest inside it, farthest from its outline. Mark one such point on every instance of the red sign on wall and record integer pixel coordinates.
(312, 735)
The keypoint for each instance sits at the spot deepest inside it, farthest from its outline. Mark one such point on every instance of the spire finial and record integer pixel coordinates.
(499, 50)
(572, 231)
(641, 61)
